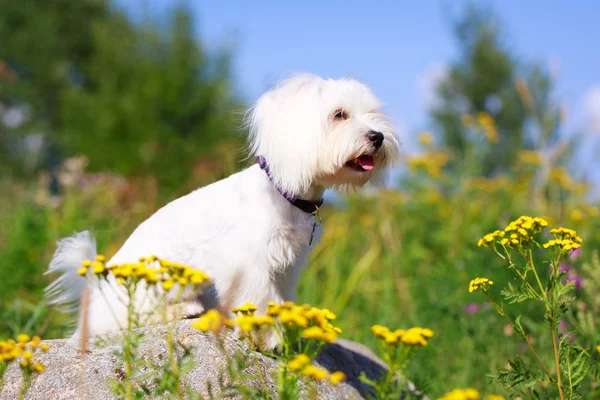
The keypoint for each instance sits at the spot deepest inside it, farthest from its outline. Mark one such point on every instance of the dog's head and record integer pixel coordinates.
(314, 131)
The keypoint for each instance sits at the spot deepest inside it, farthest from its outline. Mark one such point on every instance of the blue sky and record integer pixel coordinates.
(398, 47)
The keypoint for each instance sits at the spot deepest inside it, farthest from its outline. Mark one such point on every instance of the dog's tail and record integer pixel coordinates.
(65, 291)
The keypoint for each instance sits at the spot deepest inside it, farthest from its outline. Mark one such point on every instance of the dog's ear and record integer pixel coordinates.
(285, 126)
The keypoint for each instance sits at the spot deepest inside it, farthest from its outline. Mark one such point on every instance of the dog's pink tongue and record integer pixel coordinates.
(366, 162)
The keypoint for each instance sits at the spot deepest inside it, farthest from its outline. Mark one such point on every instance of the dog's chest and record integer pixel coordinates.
(288, 242)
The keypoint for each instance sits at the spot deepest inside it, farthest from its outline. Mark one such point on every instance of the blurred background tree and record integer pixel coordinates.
(146, 104)
(136, 99)
(488, 79)
(43, 45)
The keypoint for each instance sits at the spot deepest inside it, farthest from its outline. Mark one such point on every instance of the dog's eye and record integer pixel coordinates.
(340, 114)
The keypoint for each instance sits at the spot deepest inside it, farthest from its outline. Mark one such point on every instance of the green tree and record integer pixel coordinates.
(482, 80)
(42, 47)
(152, 102)
(137, 99)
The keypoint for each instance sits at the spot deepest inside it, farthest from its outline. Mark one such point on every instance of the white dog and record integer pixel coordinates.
(252, 232)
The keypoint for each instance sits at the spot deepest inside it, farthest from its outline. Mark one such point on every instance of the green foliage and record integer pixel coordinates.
(43, 45)
(152, 102)
(489, 78)
(155, 103)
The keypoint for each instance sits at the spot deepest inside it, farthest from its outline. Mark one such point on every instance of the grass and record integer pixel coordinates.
(399, 258)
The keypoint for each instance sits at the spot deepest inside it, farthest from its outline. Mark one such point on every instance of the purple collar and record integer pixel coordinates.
(308, 206)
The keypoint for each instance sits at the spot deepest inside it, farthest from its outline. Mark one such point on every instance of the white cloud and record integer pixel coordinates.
(428, 81)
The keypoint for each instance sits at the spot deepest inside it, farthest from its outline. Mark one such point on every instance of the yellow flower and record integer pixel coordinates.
(198, 277)
(317, 373)
(380, 331)
(432, 162)
(248, 323)
(426, 332)
(529, 157)
(495, 397)
(295, 318)
(489, 238)
(329, 337)
(44, 347)
(414, 336)
(82, 271)
(211, 321)
(24, 363)
(479, 283)
(100, 258)
(298, 362)
(314, 332)
(39, 368)
(87, 263)
(97, 267)
(565, 239)
(425, 138)
(247, 308)
(391, 338)
(328, 314)
(336, 378)
(23, 338)
(521, 232)
(168, 284)
(598, 348)
(461, 394)
(27, 355)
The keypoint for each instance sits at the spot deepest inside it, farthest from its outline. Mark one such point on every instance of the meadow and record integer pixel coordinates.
(398, 257)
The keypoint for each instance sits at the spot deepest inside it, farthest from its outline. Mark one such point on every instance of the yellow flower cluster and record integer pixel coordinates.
(411, 337)
(24, 347)
(491, 185)
(561, 176)
(485, 122)
(248, 323)
(489, 127)
(520, 232)
(479, 283)
(425, 138)
(247, 309)
(565, 239)
(467, 394)
(461, 394)
(211, 321)
(152, 270)
(315, 321)
(489, 238)
(301, 362)
(432, 162)
(529, 157)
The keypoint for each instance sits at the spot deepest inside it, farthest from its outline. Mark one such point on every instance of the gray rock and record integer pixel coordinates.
(69, 375)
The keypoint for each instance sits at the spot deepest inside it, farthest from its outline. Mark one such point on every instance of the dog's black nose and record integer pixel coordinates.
(376, 138)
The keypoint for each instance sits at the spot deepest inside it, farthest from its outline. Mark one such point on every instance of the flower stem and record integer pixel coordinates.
(557, 361)
(549, 308)
(129, 344)
(535, 354)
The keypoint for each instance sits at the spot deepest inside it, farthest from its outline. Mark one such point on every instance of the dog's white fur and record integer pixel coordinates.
(241, 231)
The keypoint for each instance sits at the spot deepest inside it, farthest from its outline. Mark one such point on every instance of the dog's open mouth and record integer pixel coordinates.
(362, 163)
